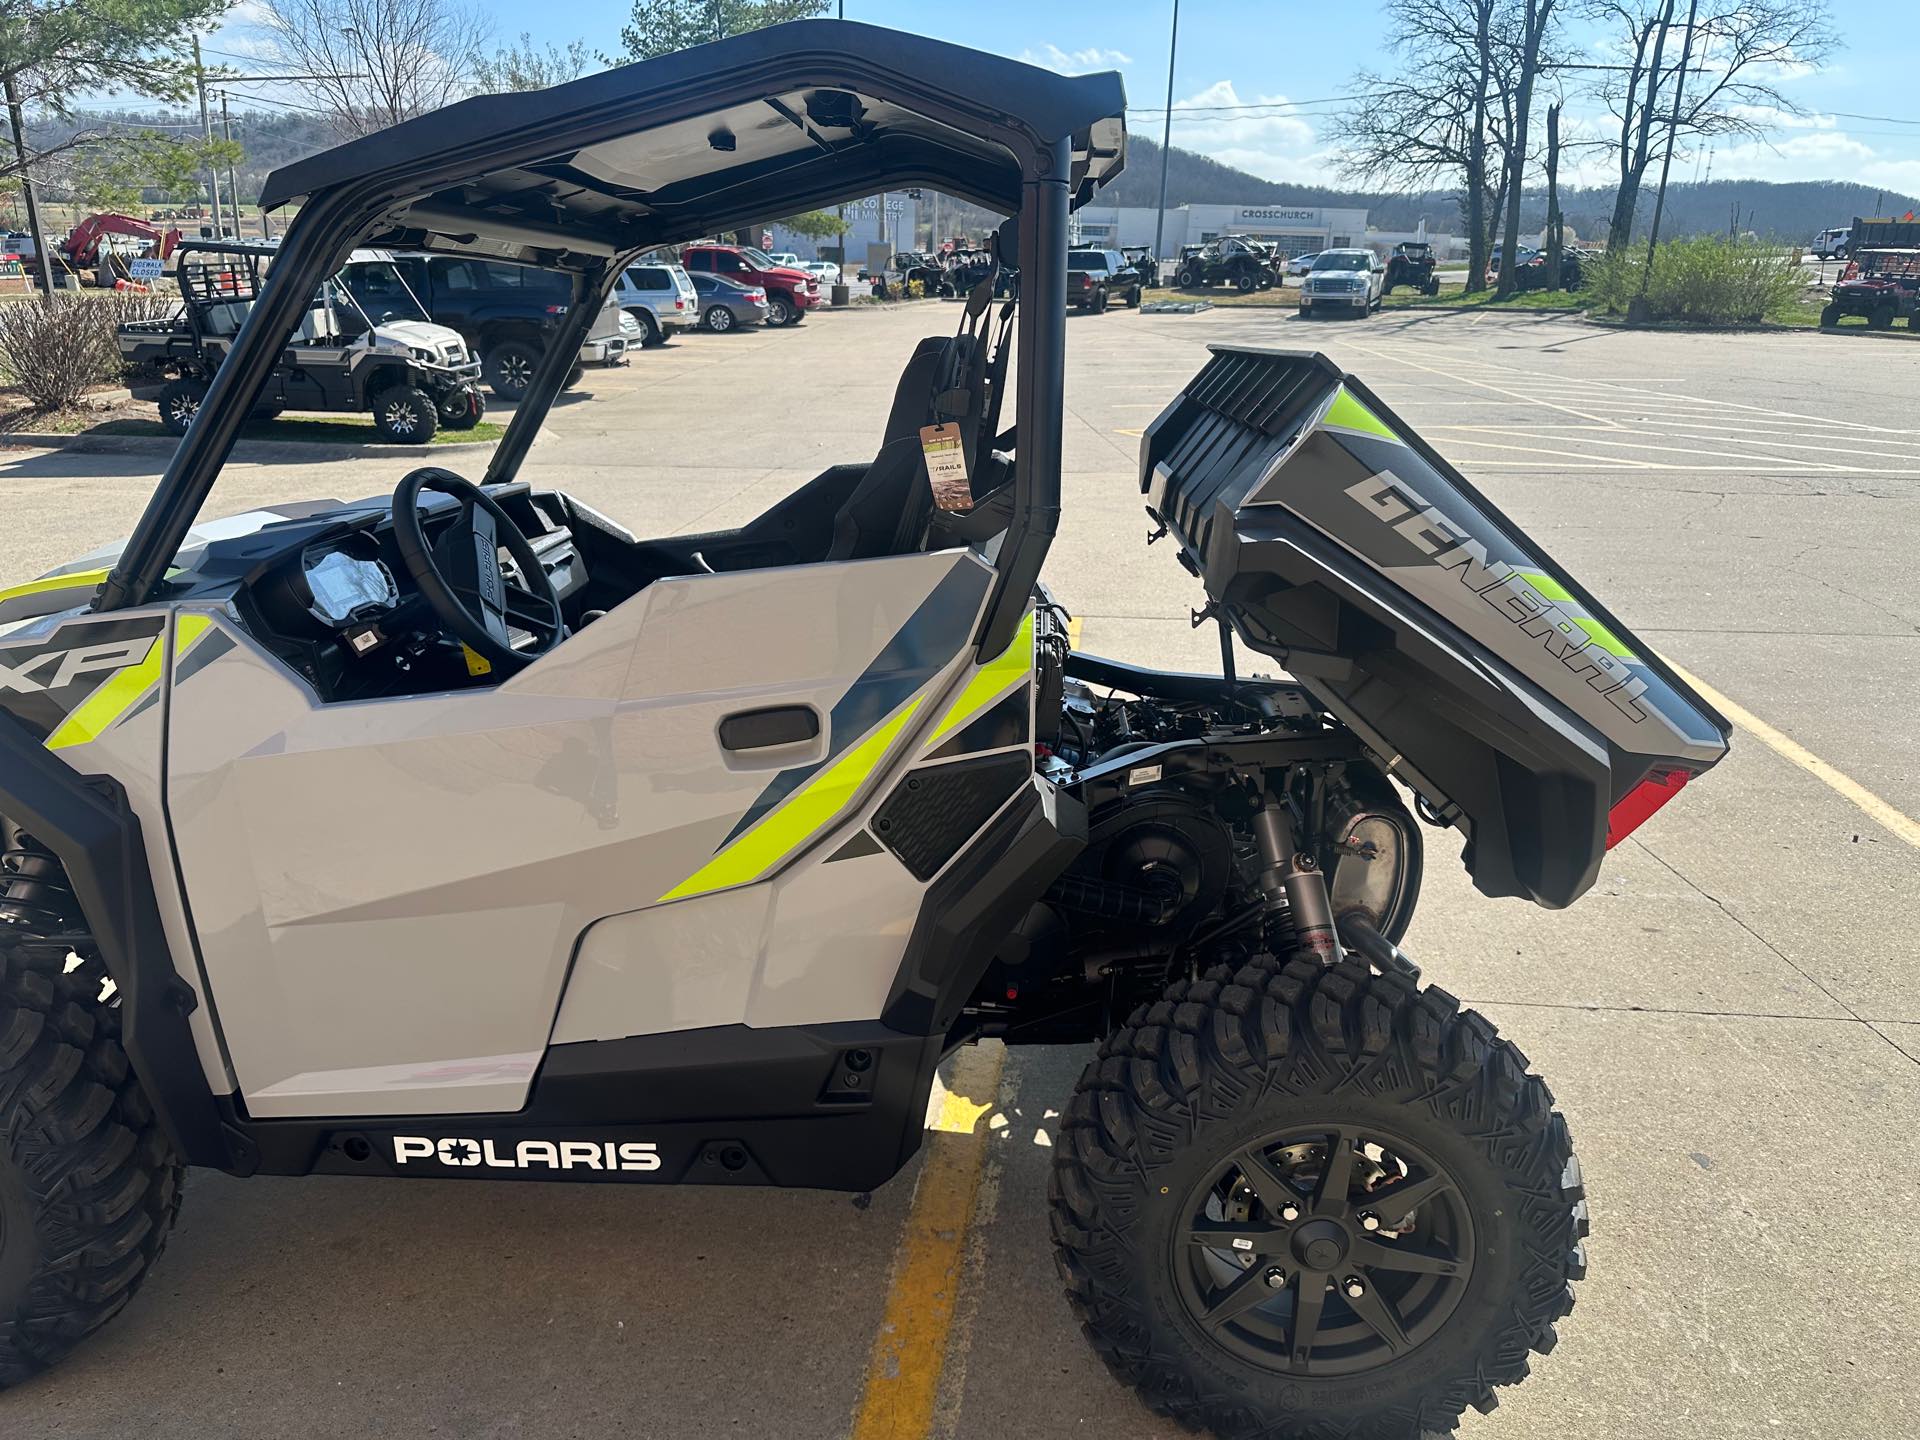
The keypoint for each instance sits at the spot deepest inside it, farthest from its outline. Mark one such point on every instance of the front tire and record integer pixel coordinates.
(509, 368)
(1881, 318)
(650, 332)
(180, 404)
(405, 415)
(1829, 316)
(463, 409)
(1221, 1205)
(1246, 282)
(781, 312)
(89, 1186)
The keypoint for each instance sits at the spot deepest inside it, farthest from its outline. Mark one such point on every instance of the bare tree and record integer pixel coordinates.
(524, 65)
(1429, 122)
(1530, 53)
(376, 63)
(1742, 52)
(1555, 240)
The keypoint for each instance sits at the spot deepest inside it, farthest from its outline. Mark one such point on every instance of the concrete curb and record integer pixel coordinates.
(247, 450)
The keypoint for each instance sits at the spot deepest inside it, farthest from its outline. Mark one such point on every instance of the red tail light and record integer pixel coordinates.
(1638, 804)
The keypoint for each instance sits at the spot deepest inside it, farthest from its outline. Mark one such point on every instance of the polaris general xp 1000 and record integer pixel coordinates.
(464, 833)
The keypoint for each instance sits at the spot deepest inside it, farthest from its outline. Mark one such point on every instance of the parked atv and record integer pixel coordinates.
(1880, 286)
(411, 375)
(1232, 260)
(396, 825)
(1412, 264)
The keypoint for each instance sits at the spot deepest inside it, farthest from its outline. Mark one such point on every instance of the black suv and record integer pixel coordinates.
(507, 313)
(1096, 276)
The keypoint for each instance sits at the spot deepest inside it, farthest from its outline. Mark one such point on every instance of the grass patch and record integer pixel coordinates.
(1483, 300)
(331, 430)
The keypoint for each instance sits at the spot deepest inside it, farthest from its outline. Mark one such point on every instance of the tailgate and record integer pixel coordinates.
(1488, 679)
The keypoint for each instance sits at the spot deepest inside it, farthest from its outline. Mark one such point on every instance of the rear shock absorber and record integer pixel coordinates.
(35, 894)
(1291, 875)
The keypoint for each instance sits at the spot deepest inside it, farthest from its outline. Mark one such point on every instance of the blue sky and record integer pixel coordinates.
(1244, 53)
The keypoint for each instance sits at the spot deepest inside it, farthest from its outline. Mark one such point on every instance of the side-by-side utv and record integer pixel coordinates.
(411, 375)
(464, 833)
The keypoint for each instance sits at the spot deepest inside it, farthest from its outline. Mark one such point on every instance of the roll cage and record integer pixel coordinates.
(585, 177)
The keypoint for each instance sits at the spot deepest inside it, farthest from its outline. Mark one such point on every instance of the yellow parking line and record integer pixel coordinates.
(903, 1371)
(1791, 750)
(1073, 632)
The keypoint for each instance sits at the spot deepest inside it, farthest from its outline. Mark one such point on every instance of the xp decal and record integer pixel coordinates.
(463, 1153)
(87, 675)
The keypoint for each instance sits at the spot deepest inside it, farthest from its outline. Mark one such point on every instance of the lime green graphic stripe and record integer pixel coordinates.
(124, 688)
(1604, 638)
(1597, 632)
(812, 808)
(1545, 584)
(52, 583)
(1349, 414)
(989, 683)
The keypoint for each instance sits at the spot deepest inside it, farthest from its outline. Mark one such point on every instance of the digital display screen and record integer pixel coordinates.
(343, 586)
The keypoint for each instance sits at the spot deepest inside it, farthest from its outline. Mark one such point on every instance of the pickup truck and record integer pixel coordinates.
(506, 313)
(791, 292)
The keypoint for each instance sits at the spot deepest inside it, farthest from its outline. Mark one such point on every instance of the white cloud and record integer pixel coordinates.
(1075, 62)
(1263, 136)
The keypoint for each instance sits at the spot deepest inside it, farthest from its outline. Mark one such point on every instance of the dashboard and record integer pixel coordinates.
(335, 601)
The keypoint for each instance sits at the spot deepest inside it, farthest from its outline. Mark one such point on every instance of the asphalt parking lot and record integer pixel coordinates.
(1730, 1021)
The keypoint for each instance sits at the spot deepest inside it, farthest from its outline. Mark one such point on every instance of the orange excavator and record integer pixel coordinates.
(94, 245)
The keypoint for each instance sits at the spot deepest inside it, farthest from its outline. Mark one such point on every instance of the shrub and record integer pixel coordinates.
(54, 353)
(50, 351)
(1705, 280)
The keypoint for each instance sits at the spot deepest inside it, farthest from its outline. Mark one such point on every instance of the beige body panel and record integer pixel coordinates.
(389, 893)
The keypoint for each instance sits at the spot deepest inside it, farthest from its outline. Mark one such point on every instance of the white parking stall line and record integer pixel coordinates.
(1484, 384)
(1603, 437)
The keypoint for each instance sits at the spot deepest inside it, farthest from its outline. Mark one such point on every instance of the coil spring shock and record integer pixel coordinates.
(35, 894)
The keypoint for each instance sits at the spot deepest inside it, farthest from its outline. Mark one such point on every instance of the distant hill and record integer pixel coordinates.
(1790, 211)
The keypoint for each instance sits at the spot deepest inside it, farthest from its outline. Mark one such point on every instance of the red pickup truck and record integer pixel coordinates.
(790, 292)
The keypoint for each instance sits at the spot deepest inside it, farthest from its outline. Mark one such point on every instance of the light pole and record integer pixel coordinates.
(1166, 144)
(206, 134)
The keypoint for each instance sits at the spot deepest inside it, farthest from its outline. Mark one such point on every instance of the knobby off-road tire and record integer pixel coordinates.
(89, 1186)
(1224, 1063)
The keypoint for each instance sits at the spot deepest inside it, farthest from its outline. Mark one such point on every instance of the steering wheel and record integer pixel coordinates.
(460, 577)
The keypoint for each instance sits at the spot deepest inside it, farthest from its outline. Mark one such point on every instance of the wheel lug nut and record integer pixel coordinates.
(1275, 1277)
(1369, 1221)
(1354, 1287)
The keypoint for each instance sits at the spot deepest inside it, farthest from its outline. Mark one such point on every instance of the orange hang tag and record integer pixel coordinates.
(946, 466)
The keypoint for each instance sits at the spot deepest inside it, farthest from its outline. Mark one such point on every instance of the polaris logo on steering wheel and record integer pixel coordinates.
(461, 1153)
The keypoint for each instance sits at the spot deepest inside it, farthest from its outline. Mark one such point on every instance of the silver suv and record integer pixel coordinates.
(660, 297)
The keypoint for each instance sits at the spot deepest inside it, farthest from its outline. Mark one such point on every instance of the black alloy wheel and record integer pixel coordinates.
(405, 415)
(180, 404)
(1325, 1250)
(509, 367)
(1247, 282)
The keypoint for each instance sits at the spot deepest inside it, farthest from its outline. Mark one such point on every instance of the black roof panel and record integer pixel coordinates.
(741, 130)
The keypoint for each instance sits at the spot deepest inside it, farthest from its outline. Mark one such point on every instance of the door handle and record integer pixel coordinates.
(765, 728)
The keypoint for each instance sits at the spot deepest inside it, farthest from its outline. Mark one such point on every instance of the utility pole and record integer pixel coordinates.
(1673, 133)
(206, 133)
(42, 244)
(233, 183)
(1166, 144)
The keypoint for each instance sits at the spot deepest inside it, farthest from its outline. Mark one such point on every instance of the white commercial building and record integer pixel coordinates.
(1297, 230)
(869, 222)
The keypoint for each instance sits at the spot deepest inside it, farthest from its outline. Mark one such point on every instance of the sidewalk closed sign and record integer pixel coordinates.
(148, 269)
